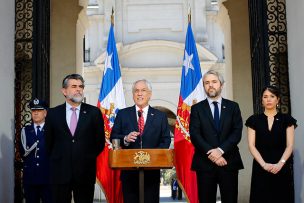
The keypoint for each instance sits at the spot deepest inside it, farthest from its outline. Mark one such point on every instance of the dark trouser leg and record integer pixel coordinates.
(61, 193)
(228, 183)
(45, 193)
(83, 193)
(31, 193)
(207, 186)
(130, 191)
(179, 193)
(151, 192)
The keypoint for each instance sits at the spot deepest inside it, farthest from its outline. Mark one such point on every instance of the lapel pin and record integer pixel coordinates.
(152, 114)
(84, 112)
(224, 107)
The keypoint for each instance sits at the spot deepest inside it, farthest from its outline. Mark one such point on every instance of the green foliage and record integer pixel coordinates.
(167, 175)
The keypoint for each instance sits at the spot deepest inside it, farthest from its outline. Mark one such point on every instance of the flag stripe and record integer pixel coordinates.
(190, 80)
(111, 76)
(115, 95)
(197, 94)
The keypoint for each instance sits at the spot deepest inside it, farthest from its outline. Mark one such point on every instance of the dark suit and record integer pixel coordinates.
(73, 158)
(204, 137)
(36, 178)
(156, 134)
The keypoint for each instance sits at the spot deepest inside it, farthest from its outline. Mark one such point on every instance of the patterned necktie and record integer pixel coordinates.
(141, 121)
(216, 115)
(73, 122)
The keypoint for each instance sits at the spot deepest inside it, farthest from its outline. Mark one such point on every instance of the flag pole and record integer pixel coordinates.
(189, 15)
(112, 16)
(110, 100)
(191, 90)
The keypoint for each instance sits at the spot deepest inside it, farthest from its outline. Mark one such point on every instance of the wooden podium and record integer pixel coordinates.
(141, 159)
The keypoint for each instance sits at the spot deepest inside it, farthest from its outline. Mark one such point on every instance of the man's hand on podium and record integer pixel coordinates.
(131, 137)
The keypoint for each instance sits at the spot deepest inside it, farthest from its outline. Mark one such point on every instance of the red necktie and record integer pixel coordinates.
(141, 121)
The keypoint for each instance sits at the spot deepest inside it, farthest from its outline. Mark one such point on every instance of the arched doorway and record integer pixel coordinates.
(169, 187)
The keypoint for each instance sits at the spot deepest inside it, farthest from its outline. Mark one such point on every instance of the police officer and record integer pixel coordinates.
(35, 162)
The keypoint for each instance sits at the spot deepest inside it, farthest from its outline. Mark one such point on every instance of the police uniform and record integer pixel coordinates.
(36, 179)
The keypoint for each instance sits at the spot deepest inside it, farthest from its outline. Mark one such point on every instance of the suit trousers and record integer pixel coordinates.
(130, 189)
(82, 193)
(36, 192)
(227, 181)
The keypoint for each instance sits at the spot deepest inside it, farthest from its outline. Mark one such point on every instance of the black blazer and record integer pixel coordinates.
(73, 158)
(204, 135)
(156, 134)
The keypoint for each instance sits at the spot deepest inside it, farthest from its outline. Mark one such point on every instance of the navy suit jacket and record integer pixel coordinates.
(205, 136)
(156, 132)
(73, 158)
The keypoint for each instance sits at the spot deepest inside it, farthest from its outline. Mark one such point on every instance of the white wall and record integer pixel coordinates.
(7, 23)
(295, 35)
(137, 21)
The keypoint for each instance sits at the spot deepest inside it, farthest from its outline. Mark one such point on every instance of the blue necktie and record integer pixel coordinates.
(38, 130)
(216, 115)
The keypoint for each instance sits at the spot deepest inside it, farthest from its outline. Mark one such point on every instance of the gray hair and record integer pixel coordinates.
(142, 80)
(70, 77)
(216, 73)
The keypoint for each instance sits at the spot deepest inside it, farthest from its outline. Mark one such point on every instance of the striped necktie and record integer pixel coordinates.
(141, 121)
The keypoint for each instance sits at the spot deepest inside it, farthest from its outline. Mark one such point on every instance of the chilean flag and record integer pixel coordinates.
(111, 99)
(191, 92)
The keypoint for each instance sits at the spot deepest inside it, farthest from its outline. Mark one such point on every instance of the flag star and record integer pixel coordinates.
(187, 62)
(108, 63)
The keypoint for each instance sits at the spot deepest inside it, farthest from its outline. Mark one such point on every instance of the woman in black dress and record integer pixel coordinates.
(271, 140)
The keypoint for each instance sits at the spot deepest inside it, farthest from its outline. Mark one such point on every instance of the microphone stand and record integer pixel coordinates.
(141, 170)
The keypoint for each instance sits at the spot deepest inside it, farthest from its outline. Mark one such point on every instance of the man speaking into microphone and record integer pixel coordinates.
(141, 127)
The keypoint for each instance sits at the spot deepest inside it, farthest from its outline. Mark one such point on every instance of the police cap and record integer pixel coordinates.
(37, 104)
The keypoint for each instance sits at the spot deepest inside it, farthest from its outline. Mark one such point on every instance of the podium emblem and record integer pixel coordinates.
(141, 158)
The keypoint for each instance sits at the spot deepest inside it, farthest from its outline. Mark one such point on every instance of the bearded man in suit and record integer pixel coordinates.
(141, 126)
(74, 138)
(215, 131)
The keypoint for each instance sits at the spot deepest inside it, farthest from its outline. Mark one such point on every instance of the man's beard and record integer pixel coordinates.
(214, 93)
(76, 98)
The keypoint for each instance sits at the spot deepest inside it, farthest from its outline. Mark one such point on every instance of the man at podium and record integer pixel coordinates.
(141, 127)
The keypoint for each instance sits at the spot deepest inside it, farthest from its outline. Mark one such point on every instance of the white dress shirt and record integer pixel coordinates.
(41, 127)
(144, 113)
(219, 104)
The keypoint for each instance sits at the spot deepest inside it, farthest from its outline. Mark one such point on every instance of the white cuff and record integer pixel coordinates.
(126, 143)
(221, 150)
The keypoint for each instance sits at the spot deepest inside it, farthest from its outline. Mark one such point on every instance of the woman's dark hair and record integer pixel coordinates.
(273, 89)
